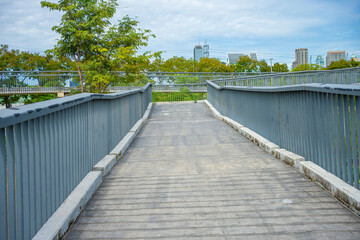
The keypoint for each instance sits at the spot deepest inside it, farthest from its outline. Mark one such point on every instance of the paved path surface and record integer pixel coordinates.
(190, 176)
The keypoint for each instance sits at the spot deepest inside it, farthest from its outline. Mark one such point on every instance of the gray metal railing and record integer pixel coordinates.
(47, 148)
(318, 121)
(41, 82)
(179, 92)
(341, 76)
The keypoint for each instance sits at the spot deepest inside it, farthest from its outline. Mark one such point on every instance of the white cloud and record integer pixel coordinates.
(262, 25)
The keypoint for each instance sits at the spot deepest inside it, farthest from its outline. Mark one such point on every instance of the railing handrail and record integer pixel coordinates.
(11, 116)
(145, 72)
(353, 90)
(317, 121)
(292, 73)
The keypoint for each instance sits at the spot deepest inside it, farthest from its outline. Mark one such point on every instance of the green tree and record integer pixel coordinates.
(280, 67)
(97, 46)
(178, 64)
(81, 25)
(342, 63)
(262, 66)
(212, 65)
(245, 64)
(307, 67)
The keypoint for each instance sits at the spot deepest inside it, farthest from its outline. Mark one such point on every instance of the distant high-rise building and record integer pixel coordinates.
(206, 50)
(234, 57)
(253, 56)
(301, 55)
(333, 56)
(198, 52)
(294, 64)
(320, 61)
(353, 57)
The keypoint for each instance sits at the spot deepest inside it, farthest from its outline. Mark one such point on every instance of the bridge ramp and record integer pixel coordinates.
(190, 176)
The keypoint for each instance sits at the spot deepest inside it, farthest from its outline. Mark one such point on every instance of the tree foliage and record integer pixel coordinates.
(97, 46)
(16, 60)
(342, 63)
(307, 67)
(246, 64)
(263, 66)
(280, 67)
(212, 65)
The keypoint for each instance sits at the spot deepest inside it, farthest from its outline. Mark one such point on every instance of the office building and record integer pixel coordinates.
(353, 57)
(253, 56)
(333, 56)
(294, 64)
(320, 61)
(198, 52)
(206, 50)
(233, 58)
(301, 55)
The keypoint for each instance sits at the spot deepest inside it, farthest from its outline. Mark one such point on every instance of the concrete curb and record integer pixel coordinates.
(246, 132)
(178, 102)
(147, 112)
(345, 193)
(288, 157)
(136, 128)
(123, 145)
(213, 110)
(105, 164)
(58, 224)
(69, 210)
(121, 148)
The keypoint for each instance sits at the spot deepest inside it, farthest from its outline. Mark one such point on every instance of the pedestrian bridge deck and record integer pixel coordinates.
(190, 176)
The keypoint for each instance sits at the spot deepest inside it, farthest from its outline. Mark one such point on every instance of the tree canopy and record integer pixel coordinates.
(94, 44)
(280, 67)
(342, 63)
(306, 67)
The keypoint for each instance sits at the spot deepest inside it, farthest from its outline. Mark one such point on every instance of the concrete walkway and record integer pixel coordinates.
(190, 176)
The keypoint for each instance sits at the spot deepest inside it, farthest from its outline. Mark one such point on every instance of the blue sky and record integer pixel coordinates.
(271, 28)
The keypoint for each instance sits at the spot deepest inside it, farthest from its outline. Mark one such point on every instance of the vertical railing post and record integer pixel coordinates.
(3, 192)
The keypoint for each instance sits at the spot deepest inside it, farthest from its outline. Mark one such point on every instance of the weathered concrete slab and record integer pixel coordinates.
(288, 157)
(69, 210)
(105, 164)
(120, 149)
(136, 128)
(187, 175)
(349, 195)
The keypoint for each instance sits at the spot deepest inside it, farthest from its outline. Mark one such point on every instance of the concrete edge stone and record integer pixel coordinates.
(149, 106)
(105, 164)
(345, 193)
(213, 110)
(136, 128)
(146, 115)
(120, 149)
(123, 145)
(270, 147)
(147, 112)
(246, 132)
(57, 225)
(237, 126)
(178, 102)
(288, 157)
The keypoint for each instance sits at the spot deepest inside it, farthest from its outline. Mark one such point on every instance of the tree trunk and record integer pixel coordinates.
(80, 74)
(7, 100)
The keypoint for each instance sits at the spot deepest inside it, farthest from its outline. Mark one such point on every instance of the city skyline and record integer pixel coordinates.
(271, 28)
